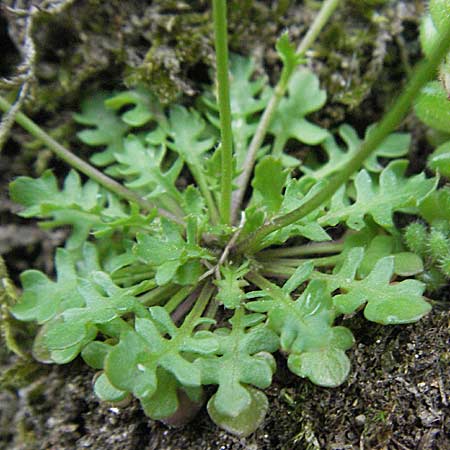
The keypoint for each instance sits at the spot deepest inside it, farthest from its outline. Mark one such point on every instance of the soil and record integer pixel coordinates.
(398, 393)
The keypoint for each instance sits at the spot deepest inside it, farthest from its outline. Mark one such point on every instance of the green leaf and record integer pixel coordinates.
(241, 360)
(394, 192)
(105, 391)
(173, 258)
(440, 13)
(304, 97)
(94, 354)
(436, 206)
(439, 160)
(230, 292)
(316, 348)
(142, 167)
(268, 183)
(394, 146)
(288, 53)
(187, 131)
(247, 421)
(76, 205)
(145, 106)
(387, 303)
(104, 303)
(307, 227)
(433, 108)
(42, 298)
(428, 34)
(152, 366)
(108, 129)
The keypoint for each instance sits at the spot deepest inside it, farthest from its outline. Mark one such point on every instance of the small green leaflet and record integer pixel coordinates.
(108, 129)
(387, 303)
(316, 348)
(173, 257)
(243, 358)
(145, 360)
(42, 298)
(394, 146)
(304, 97)
(394, 192)
(230, 292)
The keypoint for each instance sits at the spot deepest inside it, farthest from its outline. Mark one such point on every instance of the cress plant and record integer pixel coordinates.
(201, 247)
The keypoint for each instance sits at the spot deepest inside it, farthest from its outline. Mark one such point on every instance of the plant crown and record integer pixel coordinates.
(163, 305)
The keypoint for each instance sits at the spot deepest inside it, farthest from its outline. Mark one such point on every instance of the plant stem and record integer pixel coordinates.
(278, 272)
(173, 303)
(82, 166)
(321, 19)
(391, 120)
(316, 248)
(199, 177)
(200, 304)
(223, 91)
(157, 295)
(258, 280)
(324, 261)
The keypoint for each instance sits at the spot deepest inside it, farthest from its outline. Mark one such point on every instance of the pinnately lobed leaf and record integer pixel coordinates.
(160, 301)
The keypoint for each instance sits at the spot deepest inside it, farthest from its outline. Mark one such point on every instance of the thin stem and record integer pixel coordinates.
(178, 298)
(324, 261)
(210, 313)
(206, 192)
(223, 91)
(278, 272)
(321, 19)
(82, 166)
(392, 119)
(200, 304)
(261, 282)
(157, 295)
(316, 248)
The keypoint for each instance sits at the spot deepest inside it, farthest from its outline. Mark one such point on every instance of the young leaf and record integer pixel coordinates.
(394, 146)
(230, 292)
(288, 53)
(268, 183)
(152, 366)
(170, 254)
(439, 160)
(433, 108)
(108, 128)
(387, 303)
(142, 166)
(304, 97)
(186, 132)
(248, 420)
(75, 205)
(316, 348)
(394, 192)
(42, 298)
(241, 360)
(145, 106)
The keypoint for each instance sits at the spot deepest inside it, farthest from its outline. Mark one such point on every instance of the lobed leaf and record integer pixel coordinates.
(108, 129)
(316, 348)
(242, 359)
(394, 192)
